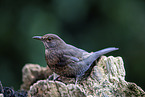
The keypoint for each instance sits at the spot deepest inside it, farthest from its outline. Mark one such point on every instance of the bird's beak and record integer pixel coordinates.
(37, 37)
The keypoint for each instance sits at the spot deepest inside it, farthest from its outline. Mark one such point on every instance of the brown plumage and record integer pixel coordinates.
(67, 60)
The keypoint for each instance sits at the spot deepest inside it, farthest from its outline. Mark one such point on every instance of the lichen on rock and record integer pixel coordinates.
(107, 78)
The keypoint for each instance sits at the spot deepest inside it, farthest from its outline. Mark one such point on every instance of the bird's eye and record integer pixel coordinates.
(49, 38)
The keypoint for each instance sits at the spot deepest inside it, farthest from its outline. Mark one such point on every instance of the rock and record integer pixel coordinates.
(48, 88)
(32, 73)
(107, 78)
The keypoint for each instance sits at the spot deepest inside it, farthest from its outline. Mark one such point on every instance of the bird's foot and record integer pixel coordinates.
(53, 77)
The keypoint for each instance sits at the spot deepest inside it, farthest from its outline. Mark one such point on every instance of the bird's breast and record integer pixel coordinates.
(51, 57)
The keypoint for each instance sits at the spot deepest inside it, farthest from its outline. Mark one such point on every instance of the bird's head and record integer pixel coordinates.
(50, 40)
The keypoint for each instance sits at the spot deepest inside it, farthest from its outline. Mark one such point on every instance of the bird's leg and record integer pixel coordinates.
(77, 78)
(76, 81)
(53, 77)
(56, 78)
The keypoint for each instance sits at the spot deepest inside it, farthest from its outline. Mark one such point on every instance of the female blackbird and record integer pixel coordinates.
(67, 60)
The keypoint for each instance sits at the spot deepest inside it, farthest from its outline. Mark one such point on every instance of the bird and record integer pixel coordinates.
(67, 60)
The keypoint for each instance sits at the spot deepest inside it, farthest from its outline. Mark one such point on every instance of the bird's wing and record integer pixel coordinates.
(75, 52)
(71, 58)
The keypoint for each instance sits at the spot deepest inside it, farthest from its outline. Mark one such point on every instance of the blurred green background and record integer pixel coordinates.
(88, 24)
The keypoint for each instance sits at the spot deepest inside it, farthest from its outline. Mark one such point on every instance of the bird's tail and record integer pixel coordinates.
(105, 51)
(87, 62)
(97, 54)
